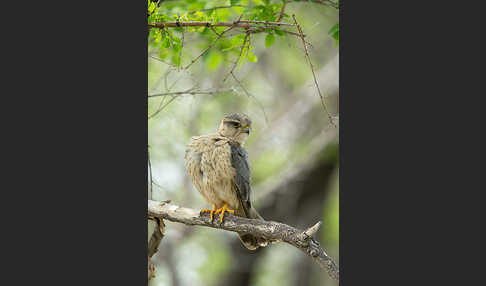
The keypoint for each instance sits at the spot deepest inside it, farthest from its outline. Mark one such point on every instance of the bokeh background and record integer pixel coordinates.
(293, 152)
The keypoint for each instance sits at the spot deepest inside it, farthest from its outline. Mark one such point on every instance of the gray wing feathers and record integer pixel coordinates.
(239, 161)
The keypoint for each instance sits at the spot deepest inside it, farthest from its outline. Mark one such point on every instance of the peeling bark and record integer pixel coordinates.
(270, 230)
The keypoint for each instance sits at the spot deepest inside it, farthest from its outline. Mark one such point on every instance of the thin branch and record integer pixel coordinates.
(158, 185)
(322, 2)
(159, 2)
(190, 92)
(166, 80)
(238, 23)
(217, 7)
(239, 56)
(282, 12)
(162, 61)
(151, 181)
(313, 74)
(210, 45)
(266, 29)
(216, 32)
(180, 51)
(174, 83)
(176, 94)
(269, 230)
(151, 270)
(256, 30)
(249, 95)
(161, 107)
(267, 23)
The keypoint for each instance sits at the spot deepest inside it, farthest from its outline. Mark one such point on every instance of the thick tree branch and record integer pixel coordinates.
(270, 230)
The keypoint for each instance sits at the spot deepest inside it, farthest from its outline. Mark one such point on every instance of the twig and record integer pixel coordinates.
(217, 7)
(313, 74)
(159, 2)
(158, 185)
(190, 92)
(239, 56)
(176, 94)
(162, 61)
(180, 51)
(166, 80)
(265, 29)
(174, 83)
(216, 32)
(269, 230)
(210, 45)
(161, 107)
(282, 12)
(267, 23)
(322, 2)
(150, 168)
(249, 95)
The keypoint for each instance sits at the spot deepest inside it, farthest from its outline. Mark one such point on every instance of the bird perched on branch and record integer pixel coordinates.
(219, 169)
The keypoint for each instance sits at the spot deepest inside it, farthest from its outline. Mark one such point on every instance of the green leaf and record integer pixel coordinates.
(269, 40)
(176, 60)
(213, 61)
(151, 7)
(234, 2)
(334, 32)
(251, 57)
(336, 36)
(279, 32)
(198, 15)
(177, 47)
(177, 40)
(166, 42)
(163, 54)
(334, 29)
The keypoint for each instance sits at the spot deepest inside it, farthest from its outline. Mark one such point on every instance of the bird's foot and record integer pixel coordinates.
(211, 212)
(222, 210)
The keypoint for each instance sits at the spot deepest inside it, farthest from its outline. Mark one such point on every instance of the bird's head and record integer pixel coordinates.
(235, 126)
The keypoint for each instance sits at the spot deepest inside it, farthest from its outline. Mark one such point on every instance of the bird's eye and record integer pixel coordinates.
(236, 124)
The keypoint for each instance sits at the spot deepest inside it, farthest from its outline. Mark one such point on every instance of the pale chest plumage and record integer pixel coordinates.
(208, 164)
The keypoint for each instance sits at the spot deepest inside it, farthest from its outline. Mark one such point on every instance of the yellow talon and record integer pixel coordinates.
(211, 212)
(222, 210)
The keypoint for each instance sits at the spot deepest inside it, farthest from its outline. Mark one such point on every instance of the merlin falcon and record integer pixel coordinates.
(219, 169)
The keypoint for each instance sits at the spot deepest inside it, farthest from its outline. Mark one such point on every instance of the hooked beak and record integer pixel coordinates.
(247, 130)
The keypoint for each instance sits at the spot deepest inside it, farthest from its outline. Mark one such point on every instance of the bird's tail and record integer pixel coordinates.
(249, 240)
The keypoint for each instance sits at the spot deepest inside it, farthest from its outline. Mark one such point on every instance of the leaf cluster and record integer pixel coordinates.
(169, 42)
